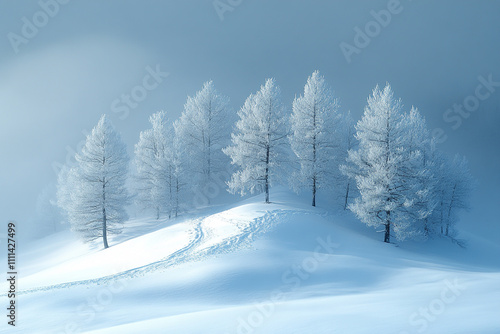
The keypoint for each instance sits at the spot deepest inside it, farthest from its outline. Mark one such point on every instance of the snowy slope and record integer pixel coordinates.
(254, 268)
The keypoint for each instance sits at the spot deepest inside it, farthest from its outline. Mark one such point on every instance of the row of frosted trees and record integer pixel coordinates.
(385, 169)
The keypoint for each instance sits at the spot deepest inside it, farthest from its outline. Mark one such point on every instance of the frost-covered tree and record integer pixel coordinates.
(315, 128)
(202, 132)
(158, 170)
(388, 171)
(258, 142)
(48, 216)
(177, 179)
(421, 145)
(346, 186)
(93, 193)
(65, 180)
(452, 193)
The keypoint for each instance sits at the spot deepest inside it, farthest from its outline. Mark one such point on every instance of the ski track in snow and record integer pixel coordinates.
(194, 251)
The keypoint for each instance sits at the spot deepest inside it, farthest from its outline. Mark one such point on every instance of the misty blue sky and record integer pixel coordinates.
(91, 52)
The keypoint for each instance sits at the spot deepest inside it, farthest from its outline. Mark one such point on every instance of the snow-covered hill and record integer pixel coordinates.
(283, 267)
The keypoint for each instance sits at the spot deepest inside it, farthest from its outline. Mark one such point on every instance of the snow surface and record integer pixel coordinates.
(284, 267)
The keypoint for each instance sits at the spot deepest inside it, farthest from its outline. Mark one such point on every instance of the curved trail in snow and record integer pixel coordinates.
(169, 261)
(193, 251)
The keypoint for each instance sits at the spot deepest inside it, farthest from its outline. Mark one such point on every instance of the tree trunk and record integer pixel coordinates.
(387, 237)
(314, 156)
(209, 172)
(449, 210)
(171, 196)
(441, 212)
(267, 185)
(346, 195)
(314, 192)
(176, 196)
(104, 231)
(267, 175)
(209, 147)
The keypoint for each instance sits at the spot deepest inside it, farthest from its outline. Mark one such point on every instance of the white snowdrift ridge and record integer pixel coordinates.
(255, 268)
